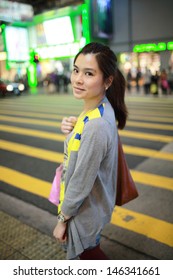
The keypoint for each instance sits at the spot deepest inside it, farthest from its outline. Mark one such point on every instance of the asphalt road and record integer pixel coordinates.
(32, 147)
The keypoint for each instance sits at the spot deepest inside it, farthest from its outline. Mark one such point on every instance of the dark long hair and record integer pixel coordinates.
(107, 63)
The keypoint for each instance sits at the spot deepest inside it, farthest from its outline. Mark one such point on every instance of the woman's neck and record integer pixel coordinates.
(91, 104)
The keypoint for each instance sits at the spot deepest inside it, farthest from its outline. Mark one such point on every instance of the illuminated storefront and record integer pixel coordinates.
(55, 37)
(143, 36)
(146, 56)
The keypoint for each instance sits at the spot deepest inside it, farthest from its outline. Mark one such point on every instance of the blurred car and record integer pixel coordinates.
(16, 88)
(7, 87)
(3, 88)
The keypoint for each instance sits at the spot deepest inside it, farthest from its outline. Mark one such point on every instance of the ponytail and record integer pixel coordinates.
(116, 95)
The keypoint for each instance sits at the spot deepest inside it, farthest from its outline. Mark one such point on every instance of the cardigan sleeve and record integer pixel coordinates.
(94, 145)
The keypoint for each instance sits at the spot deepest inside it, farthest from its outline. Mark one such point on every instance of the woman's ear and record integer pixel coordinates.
(108, 82)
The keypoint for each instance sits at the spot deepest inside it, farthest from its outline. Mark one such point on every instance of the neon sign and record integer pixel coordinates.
(64, 50)
(162, 46)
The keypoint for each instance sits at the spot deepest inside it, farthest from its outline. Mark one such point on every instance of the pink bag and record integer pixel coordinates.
(55, 190)
(165, 84)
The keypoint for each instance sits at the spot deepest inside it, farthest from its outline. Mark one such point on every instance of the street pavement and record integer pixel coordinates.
(31, 148)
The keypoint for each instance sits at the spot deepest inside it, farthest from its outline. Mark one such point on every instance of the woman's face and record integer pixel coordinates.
(87, 79)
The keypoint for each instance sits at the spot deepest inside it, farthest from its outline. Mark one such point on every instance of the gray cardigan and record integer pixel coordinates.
(90, 182)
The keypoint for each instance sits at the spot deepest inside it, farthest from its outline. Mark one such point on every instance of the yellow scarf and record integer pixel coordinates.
(74, 142)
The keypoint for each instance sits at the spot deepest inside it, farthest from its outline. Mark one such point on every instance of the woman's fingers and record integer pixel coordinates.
(68, 124)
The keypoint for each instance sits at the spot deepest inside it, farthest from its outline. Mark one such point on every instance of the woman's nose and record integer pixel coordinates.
(79, 78)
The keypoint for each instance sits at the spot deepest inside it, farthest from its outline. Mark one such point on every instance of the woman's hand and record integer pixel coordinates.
(60, 232)
(68, 124)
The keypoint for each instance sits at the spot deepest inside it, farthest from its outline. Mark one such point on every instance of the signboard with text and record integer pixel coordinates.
(14, 11)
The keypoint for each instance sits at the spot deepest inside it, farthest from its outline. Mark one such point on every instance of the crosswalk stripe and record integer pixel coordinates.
(153, 228)
(37, 109)
(70, 100)
(72, 110)
(25, 182)
(59, 116)
(148, 226)
(141, 112)
(54, 156)
(146, 136)
(33, 133)
(149, 118)
(47, 109)
(150, 125)
(60, 137)
(148, 99)
(138, 176)
(28, 114)
(31, 151)
(58, 124)
(31, 121)
(152, 180)
(147, 152)
(156, 107)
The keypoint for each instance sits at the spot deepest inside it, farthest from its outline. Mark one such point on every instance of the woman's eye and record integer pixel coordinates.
(89, 74)
(75, 70)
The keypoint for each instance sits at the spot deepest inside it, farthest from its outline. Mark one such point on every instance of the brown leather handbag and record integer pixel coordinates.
(126, 189)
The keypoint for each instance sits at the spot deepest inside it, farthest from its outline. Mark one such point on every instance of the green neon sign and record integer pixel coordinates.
(85, 21)
(32, 75)
(170, 46)
(162, 46)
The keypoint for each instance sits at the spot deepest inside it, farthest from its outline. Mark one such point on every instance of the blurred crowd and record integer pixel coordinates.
(151, 83)
(55, 82)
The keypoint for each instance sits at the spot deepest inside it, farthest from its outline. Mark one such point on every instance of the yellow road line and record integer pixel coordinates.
(33, 133)
(149, 99)
(31, 121)
(60, 137)
(153, 228)
(150, 125)
(72, 110)
(54, 156)
(47, 109)
(146, 136)
(34, 114)
(59, 116)
(149, 118)
(56, 103)
(58, 124)
(141, 111)
(138, 176)
(155, 107)
(152, 180)
(25, 182)
(150, 227)
(147, 152)
(31, 151)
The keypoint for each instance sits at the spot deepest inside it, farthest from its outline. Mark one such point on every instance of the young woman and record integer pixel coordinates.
(91, 151)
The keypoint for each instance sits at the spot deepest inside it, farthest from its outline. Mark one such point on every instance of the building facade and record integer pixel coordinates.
(143, 33)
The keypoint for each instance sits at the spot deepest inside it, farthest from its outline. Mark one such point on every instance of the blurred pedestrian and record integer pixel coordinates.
(147, 81)
(154, 88)
(164, 82)
(138, 78)
(57, 82)
(91, 152)
(65, 82)
(129, 80)
(170, 80)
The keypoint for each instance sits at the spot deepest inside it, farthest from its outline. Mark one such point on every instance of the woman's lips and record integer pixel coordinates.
(78, 89)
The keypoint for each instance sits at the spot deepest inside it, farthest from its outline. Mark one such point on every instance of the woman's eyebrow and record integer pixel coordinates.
(85, 69)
